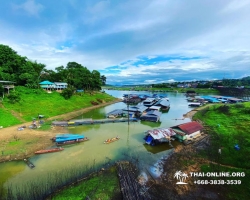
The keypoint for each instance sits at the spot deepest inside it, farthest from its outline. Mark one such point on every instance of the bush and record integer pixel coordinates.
(68, 92)
(14, 97)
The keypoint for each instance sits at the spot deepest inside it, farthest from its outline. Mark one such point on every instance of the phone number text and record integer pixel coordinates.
(218, 182)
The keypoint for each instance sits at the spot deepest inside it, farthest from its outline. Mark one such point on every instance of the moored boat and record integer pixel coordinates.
(71, 141)
(49, 150)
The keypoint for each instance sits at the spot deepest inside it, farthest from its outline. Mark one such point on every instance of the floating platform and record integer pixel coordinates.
(90, 121)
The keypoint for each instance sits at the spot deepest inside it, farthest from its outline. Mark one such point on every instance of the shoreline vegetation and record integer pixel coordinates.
(169, 89)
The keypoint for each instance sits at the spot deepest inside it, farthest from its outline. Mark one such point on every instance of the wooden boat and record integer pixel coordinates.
(30, 164)
(111, 140)
(49, 150)
(72, 141)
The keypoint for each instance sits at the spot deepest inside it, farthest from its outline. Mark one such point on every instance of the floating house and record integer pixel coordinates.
(137, 110)
(187, 131)
(154, 108)
(149, 102)
(115, 113)
(195, 104)
(157, 136)
(163, 103)
(152, 115)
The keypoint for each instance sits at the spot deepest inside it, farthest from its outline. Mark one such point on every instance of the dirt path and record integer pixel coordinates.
(30, 140)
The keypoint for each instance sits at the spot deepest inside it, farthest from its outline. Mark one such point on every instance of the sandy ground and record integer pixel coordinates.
(31, 140)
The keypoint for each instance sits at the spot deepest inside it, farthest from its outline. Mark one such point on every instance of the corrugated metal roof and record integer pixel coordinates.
(161, 133)
(190, 127)
(154, 112)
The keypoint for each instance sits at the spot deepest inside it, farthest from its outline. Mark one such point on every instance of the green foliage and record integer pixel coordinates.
(14, 97)
(68, 92)
(34, 101)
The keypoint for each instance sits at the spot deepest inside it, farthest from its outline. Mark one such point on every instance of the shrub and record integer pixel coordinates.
(14, 97)
(68, 92)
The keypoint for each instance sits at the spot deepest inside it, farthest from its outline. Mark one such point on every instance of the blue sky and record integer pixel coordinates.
(133, 42)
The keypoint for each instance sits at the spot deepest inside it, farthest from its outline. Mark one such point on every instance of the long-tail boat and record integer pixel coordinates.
(111, 140)
(49, 150)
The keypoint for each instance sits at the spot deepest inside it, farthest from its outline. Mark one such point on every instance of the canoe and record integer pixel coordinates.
(111, 140)
(71, 141)
(49, 150)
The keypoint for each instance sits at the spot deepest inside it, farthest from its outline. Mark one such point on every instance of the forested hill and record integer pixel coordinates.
(25, 72)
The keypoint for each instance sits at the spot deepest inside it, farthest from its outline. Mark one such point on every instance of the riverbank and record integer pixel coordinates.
(19, 144)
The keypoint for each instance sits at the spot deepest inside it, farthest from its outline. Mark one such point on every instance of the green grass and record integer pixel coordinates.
(228, 125)
(7, 119)
(103, 186)
(234, 191)
(36, 101)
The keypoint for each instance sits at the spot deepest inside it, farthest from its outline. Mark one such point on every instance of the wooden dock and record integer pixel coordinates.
(130, 187)
(91, 121)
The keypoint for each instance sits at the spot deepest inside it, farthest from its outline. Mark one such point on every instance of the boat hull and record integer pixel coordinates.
(71, 142)
(49, 150)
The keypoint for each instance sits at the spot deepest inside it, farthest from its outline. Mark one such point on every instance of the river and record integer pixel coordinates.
(131, 144)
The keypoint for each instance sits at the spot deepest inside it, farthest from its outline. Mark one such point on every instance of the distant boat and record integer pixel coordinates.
(111, 140)
(49, 150)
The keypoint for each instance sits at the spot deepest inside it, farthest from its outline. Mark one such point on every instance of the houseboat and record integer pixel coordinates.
(158, 136)
(149, 102)
(187, 131)
(152, 115)
(163, 103)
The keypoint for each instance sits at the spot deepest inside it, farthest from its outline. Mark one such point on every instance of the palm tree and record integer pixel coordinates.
(184, 176)
(178, 174)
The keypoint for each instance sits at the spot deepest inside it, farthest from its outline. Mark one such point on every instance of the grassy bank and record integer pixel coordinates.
(36, 101)
(104, 185)
(228, 125)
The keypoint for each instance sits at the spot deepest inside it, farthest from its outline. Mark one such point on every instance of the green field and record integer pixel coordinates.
(37, 101)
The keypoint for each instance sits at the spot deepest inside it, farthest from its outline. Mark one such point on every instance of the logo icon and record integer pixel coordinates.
(181, 176)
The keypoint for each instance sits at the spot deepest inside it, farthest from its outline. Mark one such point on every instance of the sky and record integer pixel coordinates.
(133, 41)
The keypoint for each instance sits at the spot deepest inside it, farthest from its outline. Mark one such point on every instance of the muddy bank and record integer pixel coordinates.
(19, 144)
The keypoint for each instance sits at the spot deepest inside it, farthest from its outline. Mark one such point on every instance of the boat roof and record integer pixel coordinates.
(154, 112)
(161, 133)
(115, 112)
(155, 107)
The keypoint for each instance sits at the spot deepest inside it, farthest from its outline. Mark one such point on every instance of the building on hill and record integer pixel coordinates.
(7, 85)
(58, 86)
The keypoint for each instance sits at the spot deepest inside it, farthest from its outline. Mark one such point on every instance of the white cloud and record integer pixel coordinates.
(30, 7)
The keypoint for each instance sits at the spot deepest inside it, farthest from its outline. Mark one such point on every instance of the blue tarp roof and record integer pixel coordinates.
(46, 83)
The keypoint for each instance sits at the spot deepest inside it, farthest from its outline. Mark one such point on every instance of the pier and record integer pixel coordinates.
(91, 121)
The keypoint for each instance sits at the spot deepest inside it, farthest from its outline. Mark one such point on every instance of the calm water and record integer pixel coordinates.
(131, 143)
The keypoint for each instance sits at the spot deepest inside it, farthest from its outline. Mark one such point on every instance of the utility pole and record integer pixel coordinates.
(128, 107)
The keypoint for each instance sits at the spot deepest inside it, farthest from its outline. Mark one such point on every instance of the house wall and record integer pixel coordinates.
(191, 136)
